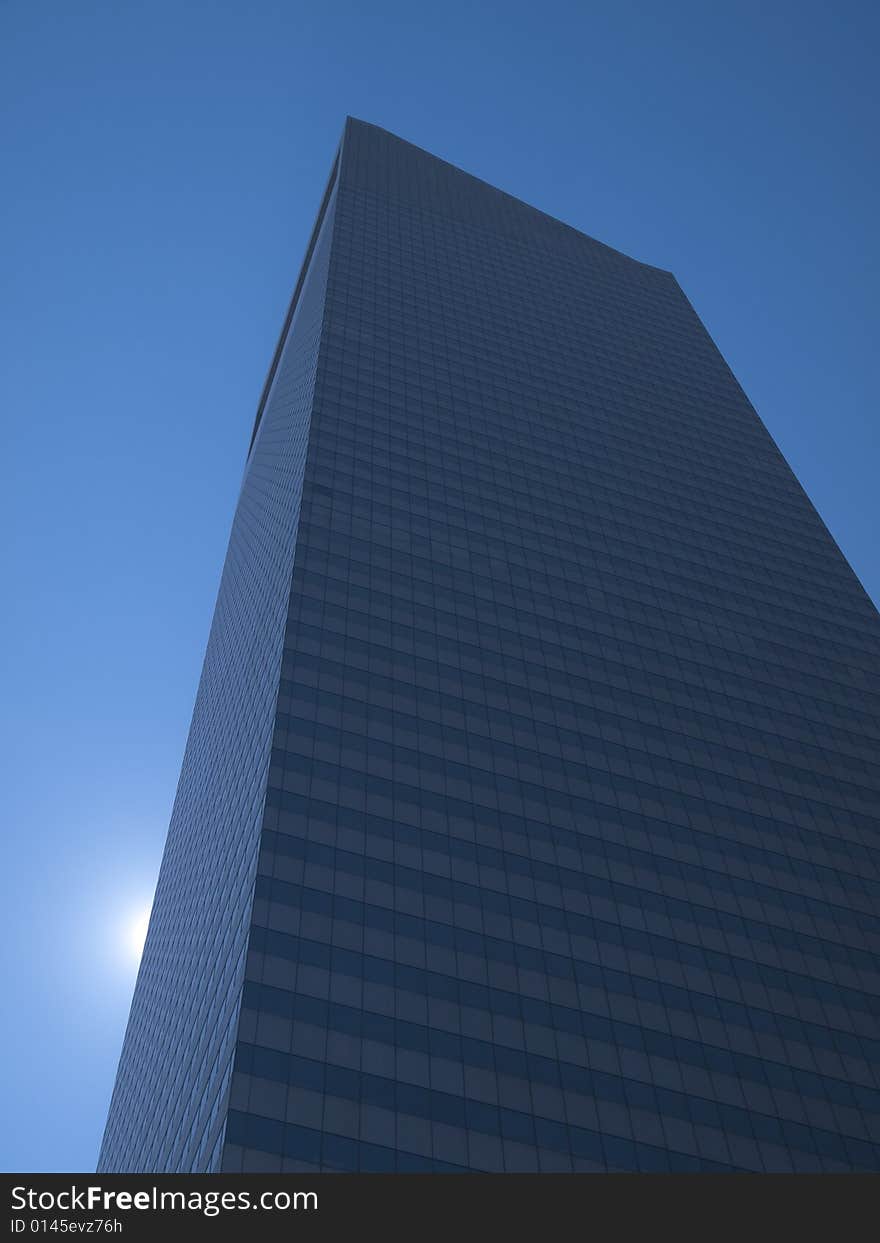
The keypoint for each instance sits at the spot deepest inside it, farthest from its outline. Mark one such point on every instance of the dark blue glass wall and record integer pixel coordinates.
(568, 857)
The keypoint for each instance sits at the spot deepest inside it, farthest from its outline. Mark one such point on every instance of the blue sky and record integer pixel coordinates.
(163, 164)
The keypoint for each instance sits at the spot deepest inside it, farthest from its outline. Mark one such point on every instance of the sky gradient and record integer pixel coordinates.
(164, 164)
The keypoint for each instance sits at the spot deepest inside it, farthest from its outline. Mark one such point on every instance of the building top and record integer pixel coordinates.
(377, 161)
(371, 160)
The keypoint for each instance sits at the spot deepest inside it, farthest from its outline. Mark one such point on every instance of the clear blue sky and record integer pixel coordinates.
(163, 163)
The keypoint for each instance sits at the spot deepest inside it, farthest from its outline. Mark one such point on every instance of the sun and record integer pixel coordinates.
(136, 933)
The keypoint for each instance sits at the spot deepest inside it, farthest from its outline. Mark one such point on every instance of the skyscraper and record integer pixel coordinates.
(529, 817)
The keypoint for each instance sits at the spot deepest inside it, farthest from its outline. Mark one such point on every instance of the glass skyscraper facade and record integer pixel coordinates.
(529, 815)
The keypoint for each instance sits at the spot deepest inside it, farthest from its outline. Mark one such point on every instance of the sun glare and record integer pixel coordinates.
(137, 934)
